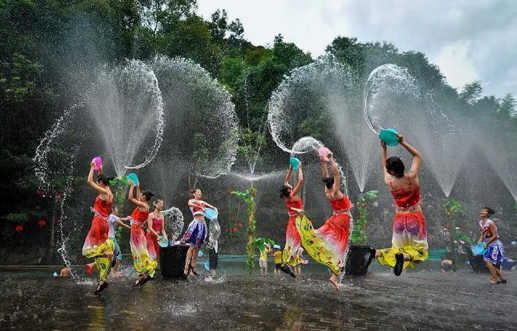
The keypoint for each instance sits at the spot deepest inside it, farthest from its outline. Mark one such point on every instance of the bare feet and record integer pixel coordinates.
(333, 280)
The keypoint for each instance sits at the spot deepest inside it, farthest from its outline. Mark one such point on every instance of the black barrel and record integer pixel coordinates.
(357, 260)
(172, 260)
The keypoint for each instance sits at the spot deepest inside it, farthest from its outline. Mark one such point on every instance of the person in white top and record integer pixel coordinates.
(495, 249)
(113, 220)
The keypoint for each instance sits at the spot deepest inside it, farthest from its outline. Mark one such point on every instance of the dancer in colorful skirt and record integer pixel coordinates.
(97, 244)
(292, 237)
(155, 225)
(328, 244)
(196, 232)
(145, 267)
(495, 253)
(409, 240)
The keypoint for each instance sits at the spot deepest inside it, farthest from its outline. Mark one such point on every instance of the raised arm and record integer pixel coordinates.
(102, 191)
(387, 176)
(417, 158)
(288, 176)
(137, 202)
(298, 186)
(335, 171)
(324, 170)
(191, 203)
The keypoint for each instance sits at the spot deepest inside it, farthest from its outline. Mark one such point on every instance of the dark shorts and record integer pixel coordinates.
(278, 265)
(213, 259)
(447, 267)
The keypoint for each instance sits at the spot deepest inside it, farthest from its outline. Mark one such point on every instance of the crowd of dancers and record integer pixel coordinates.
(327, 245)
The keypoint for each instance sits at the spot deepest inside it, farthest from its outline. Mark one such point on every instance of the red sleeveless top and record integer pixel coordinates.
(341, 205)
(139, 217)
(406, 197)
(296, 204)
(102, 208)
(198, 210)
(157, 224)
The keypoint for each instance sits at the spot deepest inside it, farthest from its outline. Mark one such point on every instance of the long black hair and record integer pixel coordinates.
(396, 165)
(148, 195)
(284, 191)
(489, 210)
(329, 182)
(104, 179)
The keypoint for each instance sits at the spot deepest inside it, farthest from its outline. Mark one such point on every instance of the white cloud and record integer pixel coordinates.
(455, 65)
(439, 29)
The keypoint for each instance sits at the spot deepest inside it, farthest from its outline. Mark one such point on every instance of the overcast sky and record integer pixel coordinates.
(468, 39)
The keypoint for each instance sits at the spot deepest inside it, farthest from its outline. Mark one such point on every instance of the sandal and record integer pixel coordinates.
(192, 269)
(288, 270)
(101, 288)
(502, 281)
(494, 282)
(144, 280)
(399, 265)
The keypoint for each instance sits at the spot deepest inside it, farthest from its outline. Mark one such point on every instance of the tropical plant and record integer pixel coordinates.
(249, 198)
(359, 232)
(452, 208)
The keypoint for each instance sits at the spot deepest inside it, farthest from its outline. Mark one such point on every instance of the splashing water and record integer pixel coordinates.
(389, 95)
(203, 130)
(214, 230)
(322, 92)
(393, 99)
(41, 159)
(127, 107)
(64, 241)
(444, 147)
(252, 177)
(306, 144)
(304, 95)
(174, 221)
(501, 149)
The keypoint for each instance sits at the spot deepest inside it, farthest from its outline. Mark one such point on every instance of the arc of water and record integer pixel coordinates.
(158, 128)
(127, 106)
(41, 158)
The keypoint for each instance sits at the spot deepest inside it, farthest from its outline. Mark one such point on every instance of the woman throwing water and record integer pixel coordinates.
(495, 249)
(327, 245)
(144, 265)
(196, 232)
(409, 240)
(97, 244)
(292, 237)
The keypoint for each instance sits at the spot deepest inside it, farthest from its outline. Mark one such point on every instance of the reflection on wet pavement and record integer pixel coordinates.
(379, 301)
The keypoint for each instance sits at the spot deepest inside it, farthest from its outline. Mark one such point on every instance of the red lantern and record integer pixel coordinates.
(41, 193)
(18, 228)
(235, 230)
(240, 225)
(42, 223)
(58, 196)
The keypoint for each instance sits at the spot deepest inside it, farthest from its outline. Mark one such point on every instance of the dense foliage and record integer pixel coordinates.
(48, 50)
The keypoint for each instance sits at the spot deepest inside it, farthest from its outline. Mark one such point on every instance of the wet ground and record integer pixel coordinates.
(425, 300)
